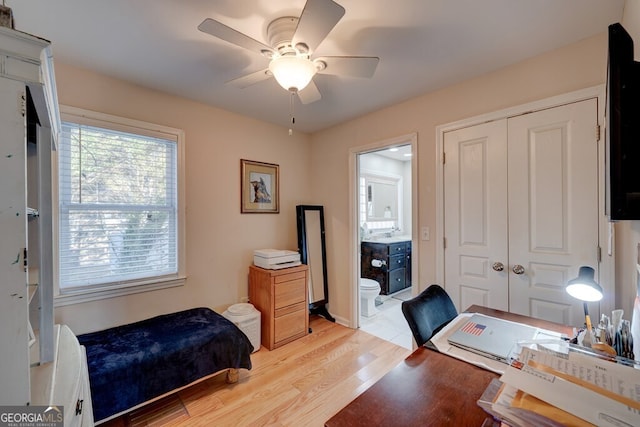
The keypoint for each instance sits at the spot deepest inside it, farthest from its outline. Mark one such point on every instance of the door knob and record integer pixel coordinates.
(518, 269)
(498, 266)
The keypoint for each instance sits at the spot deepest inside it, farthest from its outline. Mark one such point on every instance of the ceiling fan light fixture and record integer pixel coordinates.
(291, 72)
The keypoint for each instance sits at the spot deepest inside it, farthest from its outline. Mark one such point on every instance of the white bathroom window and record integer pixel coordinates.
(120, 210)
(363, 200)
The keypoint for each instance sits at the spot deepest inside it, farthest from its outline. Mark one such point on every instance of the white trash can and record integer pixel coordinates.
(247, 318)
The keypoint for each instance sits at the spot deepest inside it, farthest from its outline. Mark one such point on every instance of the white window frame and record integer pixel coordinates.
(97, 292)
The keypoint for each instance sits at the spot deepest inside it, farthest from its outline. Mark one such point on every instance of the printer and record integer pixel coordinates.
(274, 259)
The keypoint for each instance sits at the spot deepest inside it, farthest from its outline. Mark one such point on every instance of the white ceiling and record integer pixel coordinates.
(423, 45)
(400, 153)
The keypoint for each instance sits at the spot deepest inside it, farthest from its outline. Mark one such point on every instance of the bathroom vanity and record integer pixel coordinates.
(387, 261)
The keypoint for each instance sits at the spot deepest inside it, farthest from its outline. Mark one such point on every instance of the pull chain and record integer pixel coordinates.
(291, 115)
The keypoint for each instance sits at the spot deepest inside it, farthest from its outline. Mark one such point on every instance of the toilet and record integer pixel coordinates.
(369, 290)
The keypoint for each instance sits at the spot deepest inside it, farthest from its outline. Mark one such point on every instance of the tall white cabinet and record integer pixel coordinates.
(41, 363)
(26, 123)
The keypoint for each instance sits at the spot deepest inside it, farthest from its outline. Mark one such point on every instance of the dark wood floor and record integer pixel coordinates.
(302, 383)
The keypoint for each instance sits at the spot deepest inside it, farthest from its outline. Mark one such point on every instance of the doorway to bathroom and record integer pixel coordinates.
(385, 218)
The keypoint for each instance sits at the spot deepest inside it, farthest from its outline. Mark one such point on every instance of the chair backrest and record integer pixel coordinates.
(428, 312)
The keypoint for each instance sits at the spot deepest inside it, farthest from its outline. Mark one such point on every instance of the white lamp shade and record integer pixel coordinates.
(584, 287)
(292, 72)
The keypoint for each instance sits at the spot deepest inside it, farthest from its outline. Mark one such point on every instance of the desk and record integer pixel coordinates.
(429, 388)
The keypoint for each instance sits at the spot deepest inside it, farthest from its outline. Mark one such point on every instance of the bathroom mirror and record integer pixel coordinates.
(382, 198)
(311, 244)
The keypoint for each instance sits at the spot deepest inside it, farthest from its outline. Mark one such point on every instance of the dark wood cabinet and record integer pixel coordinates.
(407, 280)
(389, 264)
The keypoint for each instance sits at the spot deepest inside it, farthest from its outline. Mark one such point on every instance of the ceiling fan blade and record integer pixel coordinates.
(251, 79)
(317, 20)
(350, 66)
(309, 94)
(221, 31)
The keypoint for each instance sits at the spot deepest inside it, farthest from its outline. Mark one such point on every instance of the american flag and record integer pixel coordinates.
(473, 328)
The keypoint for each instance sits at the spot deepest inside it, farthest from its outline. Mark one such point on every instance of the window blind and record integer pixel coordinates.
(118, 207)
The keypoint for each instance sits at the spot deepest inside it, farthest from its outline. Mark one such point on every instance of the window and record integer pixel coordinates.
(119, 211)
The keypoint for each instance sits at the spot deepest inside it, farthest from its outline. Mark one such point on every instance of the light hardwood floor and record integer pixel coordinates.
(303, 383)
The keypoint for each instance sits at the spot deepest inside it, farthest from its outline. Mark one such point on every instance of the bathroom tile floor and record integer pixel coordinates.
(389, 323)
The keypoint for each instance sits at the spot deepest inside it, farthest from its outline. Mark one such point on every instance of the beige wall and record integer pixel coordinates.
(220, 240)
(578, 66)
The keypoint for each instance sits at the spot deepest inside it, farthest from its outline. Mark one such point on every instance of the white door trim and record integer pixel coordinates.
(354, 228)
(607, 264)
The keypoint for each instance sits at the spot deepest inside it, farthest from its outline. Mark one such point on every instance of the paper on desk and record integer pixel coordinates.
(591, 403)
(441, 343)
(614, 377)
(511, 400)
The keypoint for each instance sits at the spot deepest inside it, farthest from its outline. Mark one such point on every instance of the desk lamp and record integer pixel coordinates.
(586, 289)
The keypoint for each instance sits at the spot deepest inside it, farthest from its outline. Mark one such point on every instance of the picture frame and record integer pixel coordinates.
(259, 187)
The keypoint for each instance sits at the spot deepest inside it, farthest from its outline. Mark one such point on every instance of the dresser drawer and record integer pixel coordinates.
(289, 277)
(397, 248)
(397, 261)
(300, 306)
(289, 292)
(290, 326)
(397, 280)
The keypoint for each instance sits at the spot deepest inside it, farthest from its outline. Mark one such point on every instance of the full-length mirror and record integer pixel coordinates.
(311, 244)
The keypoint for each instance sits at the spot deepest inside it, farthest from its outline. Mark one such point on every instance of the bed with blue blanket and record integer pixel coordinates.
(133, 364)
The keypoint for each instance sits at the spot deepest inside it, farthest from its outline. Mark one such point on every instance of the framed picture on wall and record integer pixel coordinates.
(259, 187)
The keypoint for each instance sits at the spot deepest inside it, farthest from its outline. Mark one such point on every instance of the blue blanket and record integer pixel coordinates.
(133, 363)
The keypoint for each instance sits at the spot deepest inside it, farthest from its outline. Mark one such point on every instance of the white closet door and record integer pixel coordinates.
(553, 208)
(475, 215)
(521, 211)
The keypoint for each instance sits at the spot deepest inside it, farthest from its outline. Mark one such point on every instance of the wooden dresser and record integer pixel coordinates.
(281, 296)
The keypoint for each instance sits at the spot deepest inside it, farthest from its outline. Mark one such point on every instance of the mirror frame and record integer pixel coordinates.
(318, 306)
(371, 178)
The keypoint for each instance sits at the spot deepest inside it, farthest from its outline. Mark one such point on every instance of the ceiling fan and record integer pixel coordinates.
(291, 43)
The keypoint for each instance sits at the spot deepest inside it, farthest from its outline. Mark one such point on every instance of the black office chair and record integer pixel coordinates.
(428, 312)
